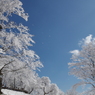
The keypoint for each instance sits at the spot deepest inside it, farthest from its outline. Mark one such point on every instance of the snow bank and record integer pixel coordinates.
(10, 92)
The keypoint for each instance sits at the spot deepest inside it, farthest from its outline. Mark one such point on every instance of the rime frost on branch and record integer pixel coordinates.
(9, 7)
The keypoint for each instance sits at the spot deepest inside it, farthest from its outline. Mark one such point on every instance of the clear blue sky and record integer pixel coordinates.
(58, 26)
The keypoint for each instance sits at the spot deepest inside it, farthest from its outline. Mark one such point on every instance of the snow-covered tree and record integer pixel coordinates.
(17, 62)
(45, 87)
(83, 63)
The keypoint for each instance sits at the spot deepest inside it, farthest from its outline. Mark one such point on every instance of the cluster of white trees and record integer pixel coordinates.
(45, 87)
(18, 64)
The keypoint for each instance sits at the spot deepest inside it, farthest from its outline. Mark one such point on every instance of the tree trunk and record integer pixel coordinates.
(0, 82)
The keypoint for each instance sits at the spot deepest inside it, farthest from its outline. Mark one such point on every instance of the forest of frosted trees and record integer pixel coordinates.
(18, 64)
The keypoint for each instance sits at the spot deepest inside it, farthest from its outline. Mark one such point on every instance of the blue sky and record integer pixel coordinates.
(58, 26)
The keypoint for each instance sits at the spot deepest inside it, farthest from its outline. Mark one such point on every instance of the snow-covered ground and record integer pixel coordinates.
(10, 92)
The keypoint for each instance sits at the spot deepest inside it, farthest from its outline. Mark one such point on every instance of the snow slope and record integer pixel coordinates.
(10, 92)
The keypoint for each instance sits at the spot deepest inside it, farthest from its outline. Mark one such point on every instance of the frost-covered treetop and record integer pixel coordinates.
(9, 7)
(84, 60)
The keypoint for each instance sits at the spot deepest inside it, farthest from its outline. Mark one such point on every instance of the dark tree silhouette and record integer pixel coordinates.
(1, 27)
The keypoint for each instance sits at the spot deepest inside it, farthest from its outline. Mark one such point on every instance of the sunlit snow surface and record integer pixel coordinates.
(10, 92)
